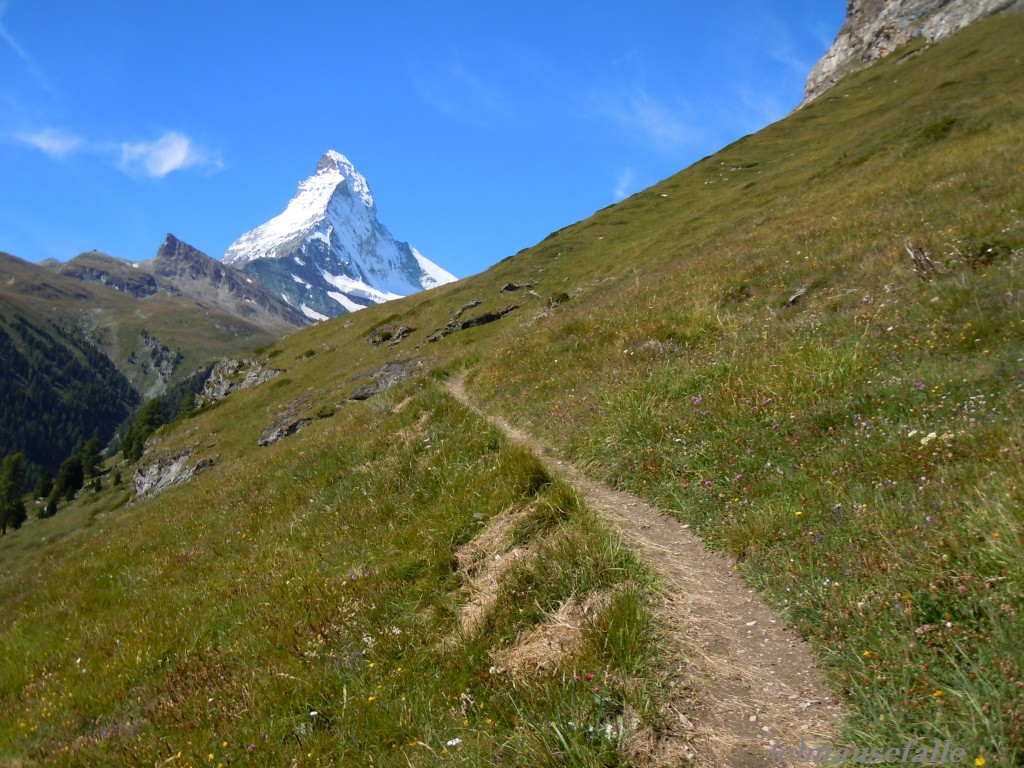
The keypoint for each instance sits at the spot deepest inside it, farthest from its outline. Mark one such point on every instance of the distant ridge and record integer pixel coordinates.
(209, 281)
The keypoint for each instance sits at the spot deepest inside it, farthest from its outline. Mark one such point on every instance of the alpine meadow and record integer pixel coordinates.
(807, 349)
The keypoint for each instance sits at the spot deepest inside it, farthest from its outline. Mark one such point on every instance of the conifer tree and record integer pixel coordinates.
(91, 456)
(70, 476)
(51, 503)
(186, 405)
(45, 485)
(12, 483)
(150, 418)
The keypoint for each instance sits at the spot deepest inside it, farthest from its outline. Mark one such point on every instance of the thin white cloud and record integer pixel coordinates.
(632, 106)
(656, 120)
(784, 54)
(623, 184)
(52, 141)
(171, 152)
(461, 93)
(641, 115)
(20, 52)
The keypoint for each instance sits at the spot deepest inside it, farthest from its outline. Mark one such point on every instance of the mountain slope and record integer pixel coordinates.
(154, 333)
(57, 390)
(806, 346)
(327, 253)
(121, 275)
(181, 270)
(212, 283)
(86, 340)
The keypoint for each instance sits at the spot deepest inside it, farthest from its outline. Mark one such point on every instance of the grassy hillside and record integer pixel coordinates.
(772, 367)
(749, 344)
(152, 340)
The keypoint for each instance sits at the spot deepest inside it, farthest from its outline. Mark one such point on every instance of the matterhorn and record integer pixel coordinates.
(327, 254)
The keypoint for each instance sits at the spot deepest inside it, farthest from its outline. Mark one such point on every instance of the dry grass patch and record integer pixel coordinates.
(654, 748)
(545, 647)
(484, 561)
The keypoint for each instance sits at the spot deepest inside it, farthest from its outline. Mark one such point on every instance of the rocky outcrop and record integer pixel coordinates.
(231, 375)
(154, 360)
(456, 323)
(289, 421)
(392, 335)
(385, 377)
(166, 471)
(876, 28)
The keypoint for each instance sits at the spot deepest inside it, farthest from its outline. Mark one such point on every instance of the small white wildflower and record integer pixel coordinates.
(453, 742)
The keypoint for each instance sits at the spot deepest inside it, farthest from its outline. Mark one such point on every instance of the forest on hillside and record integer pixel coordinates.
(57, 391)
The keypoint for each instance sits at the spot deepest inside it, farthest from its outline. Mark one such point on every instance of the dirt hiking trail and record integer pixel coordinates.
(744, 681)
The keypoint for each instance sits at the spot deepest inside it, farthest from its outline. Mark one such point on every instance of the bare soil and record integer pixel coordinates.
(742, 680)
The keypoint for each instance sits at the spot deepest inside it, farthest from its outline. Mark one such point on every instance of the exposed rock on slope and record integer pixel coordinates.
(231, 375)
(875, 28)
(156, 361)
(164, 472)
(289, 420)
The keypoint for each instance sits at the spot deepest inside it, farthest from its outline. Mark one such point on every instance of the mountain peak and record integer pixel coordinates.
(173, 248)
(332, 160)
(327, 253)
(333, 169)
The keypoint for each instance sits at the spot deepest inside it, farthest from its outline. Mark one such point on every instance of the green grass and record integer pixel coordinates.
(320, 580)
(746, 345)
(857, 451)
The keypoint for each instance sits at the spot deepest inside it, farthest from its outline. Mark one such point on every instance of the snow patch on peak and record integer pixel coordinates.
(358, 288)
(312, 314)
(306, 211)
(345, 301)
(433, 275)
(336, 164)
(332, 160)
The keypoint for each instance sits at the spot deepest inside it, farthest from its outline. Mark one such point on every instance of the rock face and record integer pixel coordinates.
(385, 377)
(875, 28)
(156, 360)
(231, 375)
(327, 253)
(193, 273)
(149, 480)
(289, 421)
(456, 323)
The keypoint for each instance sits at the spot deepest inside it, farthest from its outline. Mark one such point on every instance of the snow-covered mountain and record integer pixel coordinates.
(327, 254)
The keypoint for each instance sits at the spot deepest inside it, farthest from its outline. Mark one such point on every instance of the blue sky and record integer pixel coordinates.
(480, 126)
